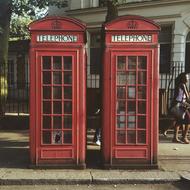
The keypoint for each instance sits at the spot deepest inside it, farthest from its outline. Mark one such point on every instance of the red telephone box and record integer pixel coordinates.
(58, 92)
(130, 93)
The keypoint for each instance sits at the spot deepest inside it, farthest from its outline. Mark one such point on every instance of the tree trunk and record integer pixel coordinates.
(112, 11)
(5, 16)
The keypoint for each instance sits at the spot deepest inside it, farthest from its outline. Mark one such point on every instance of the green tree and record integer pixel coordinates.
(7, 9)
(19, 27)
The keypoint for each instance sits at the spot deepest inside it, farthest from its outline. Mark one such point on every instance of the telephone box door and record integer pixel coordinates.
(131, 108)
(57, 91)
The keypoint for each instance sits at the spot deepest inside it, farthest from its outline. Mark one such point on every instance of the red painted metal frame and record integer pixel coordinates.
(58, 26)
(129, 25)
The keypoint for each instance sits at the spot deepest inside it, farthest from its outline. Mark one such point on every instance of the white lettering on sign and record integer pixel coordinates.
(131, 38)
(57, 38)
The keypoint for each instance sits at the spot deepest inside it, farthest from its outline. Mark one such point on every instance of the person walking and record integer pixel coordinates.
(180, 108)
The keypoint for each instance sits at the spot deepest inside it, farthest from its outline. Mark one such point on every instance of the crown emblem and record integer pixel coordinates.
(56, 24)
(132, 24)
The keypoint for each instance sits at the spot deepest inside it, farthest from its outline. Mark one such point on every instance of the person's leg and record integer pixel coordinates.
(185, 134)
(176, 131)
(171, 125)
(97, 136)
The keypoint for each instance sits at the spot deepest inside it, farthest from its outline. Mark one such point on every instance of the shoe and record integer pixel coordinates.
(185, 140)
(98, 142)
(165, 133)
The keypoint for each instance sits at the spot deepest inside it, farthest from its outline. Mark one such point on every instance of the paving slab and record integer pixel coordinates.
(121, 177)
(174, 164)
(2, 173)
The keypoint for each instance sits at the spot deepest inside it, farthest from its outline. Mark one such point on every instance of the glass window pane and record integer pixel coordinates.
(68, 107)
(67, 139)
(57, 92)
(57, 62)
(131, 77)
(142, 137)
(68, 92)
(132, 60)
(46, 92)
(46, 60)
(121, 107)
(121, 137)
(131, 122)
(46, 122)
(121, 60)
(142, 122)
(46, 137)
(67, 77)
(121, 93)
(131, 137)
(131, 92)
(57, 107)
(131, 107)
(142, 62)
(141, 77)
(121, 78)
(142, 92)
(57, 122)
(142, 107)
(57, 137)
(68, 122)
(57, 77)
(46, 107)
(67, 62)
(121, 121)
(46, 77)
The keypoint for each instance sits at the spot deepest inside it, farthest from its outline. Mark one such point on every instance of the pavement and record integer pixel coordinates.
(173, 160)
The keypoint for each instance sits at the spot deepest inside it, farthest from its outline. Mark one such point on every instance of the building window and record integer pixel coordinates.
(95, 53)
(94, 61)
(165, 39)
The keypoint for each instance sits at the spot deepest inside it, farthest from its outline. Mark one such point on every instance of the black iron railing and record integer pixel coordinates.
(17, 102)
(15, 89)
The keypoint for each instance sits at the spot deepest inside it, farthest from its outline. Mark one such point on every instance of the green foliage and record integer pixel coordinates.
(19, 27)
(1, 30)
(22, 7)
(4, 86)
(25, 11)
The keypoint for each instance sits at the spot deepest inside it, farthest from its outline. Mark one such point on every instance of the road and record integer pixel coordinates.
(175, 186)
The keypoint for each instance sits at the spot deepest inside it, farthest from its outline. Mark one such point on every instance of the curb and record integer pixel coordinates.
(103, 177)
(43, 182)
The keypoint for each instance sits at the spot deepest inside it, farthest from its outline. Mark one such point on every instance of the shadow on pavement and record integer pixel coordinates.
(182, 185)
(14, 142)
(93, 159)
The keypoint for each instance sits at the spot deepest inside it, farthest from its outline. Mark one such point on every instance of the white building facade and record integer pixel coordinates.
(172, 15)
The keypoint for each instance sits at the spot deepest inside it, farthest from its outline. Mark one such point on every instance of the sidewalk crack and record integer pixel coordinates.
(92, 179)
